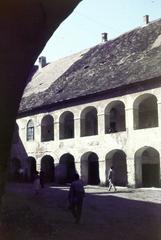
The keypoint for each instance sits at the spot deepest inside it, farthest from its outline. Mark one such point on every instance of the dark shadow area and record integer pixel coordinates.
(103, 217)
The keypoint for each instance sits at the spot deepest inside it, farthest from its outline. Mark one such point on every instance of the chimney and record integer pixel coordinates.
(42, 62)
(146, 19)
(104, 37)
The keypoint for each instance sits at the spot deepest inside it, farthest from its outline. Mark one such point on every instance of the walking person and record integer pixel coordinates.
(111, 179)
(75, 196)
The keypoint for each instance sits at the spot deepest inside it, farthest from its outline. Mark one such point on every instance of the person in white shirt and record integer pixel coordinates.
(111, 179)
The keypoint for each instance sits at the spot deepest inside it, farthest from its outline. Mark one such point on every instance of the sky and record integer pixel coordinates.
(83, 28)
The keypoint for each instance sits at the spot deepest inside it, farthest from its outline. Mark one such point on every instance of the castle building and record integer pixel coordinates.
(97, 108)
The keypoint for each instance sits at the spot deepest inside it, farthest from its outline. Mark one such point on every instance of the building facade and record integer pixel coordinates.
(102, 108)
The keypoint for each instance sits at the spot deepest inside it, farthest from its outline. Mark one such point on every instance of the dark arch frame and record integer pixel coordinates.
(47, 128)
(67, 168)
(31, 168)
(90, 168)
(147, 167)
(117, 159)
(89, 122)
(115, 117)
(48, 168)
(145, 111)
(66, 125)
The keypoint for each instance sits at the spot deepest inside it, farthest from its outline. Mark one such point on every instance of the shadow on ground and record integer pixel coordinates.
(46, 216)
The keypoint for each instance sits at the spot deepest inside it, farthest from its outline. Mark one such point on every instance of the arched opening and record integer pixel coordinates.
(30, 131)
(147, 167)
(90, 168)
(66, 127)
(115, 117)
(47, 128)
(117, 159)
(89, 122)
(145, 112)
(48, 169)
(66, 168)
(31, 168)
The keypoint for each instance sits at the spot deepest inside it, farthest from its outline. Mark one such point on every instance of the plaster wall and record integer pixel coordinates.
(129, 141)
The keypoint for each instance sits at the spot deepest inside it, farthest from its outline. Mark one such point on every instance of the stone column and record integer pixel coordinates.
(159, 114)
(37, 129)
(129, 119)
(131, 171)
(77, 127)
(77, 167)
(56, 131)
(101, 123)
(102, 173)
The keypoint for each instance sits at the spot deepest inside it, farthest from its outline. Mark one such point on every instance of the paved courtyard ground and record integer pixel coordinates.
(132, 214)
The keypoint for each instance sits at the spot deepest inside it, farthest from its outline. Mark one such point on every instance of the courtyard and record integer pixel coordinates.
(133, 214)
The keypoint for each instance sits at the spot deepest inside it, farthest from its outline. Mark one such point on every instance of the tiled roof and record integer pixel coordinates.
(130, 58)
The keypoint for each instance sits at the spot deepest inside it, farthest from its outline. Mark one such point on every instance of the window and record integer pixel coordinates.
(30, 131)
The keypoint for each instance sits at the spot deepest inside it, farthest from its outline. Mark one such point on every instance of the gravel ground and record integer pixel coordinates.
(132, 214)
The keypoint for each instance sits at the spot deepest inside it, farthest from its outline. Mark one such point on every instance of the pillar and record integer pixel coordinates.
(77, 127)
(102, 172)
(130, 171)
(159, 114)
(101, 123)
(56, 128)
(129, 119)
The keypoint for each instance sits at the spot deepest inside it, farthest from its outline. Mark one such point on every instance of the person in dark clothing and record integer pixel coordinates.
(42, 179)
(76, 195)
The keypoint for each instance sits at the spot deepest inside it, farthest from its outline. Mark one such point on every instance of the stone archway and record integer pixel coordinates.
(117, 159)
(147, 167)
(66, 125)
(89, 122)
(31, 168)
(47, 128)
(115, 117)
(47, 166)
(90, 168)
(31, 24)
(145, 111)
(67, 168)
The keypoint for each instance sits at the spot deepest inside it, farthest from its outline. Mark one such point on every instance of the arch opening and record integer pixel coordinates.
(31, 168)
(48, 169)
(115, 117)
(145, 112)
(117, 159)
(147, 167)
(66, 125)
(90, 168)
(67, 168)
(89, 122)
(47, 128)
